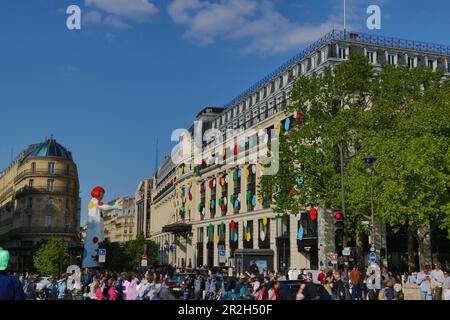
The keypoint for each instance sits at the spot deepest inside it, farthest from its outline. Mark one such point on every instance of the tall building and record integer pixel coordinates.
(142, 208)
(118, 224)
(39, 200)
(206, 208)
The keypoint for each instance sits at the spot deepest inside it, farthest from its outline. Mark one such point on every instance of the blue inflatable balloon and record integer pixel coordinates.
(235, 237)
(239, 173)
(254, 201)
(300, 181)
(212, 204)
(236, 204)
(300, 233)
(287, 124)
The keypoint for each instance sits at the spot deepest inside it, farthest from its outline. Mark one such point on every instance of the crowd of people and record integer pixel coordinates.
(218, 284)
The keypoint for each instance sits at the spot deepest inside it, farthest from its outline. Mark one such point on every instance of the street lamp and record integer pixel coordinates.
(369, 160)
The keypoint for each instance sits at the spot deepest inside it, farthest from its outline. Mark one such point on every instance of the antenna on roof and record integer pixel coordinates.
(156, 158)
(345, 16)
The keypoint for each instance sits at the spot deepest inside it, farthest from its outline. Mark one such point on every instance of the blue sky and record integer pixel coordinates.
(139, 69)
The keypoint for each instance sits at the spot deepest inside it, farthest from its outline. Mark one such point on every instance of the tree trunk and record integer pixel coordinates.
(424, 239)
(411, 253)
(359, 254)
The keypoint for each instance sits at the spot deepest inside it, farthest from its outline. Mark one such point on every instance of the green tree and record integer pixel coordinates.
(398, 115)
(126, 257)
(407, 130)
(331, 108)
(134, 250)
(52, 258)
(115, 256)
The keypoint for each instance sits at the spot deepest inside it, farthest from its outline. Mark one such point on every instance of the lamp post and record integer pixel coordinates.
(369, 160)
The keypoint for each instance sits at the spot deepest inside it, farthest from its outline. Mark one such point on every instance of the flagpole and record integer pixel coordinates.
(345, 16)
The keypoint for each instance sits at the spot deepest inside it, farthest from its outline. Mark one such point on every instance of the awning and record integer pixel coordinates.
(177, 228)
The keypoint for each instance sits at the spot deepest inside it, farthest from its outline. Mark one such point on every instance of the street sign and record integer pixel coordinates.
(373, 257)
(144, 261)
(101, 255)
(222, 254)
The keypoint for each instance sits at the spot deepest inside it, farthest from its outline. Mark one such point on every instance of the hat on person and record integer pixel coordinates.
(4, 259)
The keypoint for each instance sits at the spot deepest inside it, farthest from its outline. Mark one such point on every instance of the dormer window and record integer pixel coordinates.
(343, 53)
(372, 56)
(432, 64)
(392, 59)
(411, 62)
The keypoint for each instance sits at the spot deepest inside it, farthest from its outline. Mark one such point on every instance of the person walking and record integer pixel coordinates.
(61, 285)
(112, 292)
(355, 276)
(424, 281)
(446, 286)
(437, 281)
(130, 288)
(10, 287)
(86, 279)
(274, 291)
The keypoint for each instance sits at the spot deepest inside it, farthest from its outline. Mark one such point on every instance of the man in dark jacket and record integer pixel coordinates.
(10, 287)
(340, 292)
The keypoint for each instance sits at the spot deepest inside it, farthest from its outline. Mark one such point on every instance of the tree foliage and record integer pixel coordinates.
(398, 115)
(52, 257)
(126, 257)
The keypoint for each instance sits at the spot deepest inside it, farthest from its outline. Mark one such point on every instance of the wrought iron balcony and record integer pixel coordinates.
(31, 190)
(40, 173)
(337, 35)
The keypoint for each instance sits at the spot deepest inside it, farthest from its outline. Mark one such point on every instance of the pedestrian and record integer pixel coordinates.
(130, 288)
(120, 285)
(355, 276)
(446, 286)
(30, 287)
(112, 292)
(325, 290)
(437, 281)
(61, 285)
(86, 279)
(198, 282)
(340, 292)
(388, 291)
(99, 290)
(322, 275)
(274, 292)
(10, 287)
(424, 281)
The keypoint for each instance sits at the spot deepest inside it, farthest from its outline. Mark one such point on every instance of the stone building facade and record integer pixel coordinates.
(206, 208)
(39, 200)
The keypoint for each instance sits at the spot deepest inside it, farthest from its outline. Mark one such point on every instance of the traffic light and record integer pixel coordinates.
(338, 224)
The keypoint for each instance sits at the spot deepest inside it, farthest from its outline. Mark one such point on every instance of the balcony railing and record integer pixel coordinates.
(344, 36)
(30, 172)
(28, 190)
(38, 231)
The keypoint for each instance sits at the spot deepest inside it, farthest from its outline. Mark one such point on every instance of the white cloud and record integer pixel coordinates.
(119, 13)
(255, 24)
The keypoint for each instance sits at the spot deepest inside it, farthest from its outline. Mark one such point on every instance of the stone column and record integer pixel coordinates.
(255, 234)
(216, 251)
(273, 243)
